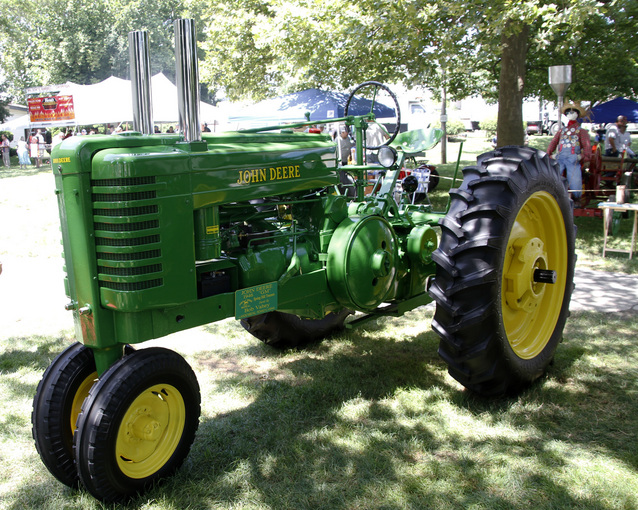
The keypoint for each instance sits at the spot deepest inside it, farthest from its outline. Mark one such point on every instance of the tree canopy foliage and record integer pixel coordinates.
(46, 42)
(251, 49)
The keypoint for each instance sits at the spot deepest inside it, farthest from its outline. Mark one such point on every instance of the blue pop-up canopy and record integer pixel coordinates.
(321, 104)
(610, 110)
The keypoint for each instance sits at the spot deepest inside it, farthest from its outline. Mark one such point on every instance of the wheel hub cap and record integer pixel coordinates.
(535, 257)
(150, 431)
(523, 293)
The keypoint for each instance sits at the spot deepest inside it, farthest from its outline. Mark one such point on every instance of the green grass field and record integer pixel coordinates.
(366, 420)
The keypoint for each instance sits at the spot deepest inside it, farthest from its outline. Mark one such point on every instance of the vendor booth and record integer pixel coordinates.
(106, 102)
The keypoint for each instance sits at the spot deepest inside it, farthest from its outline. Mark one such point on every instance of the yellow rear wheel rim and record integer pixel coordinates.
(150, 431)
(531, 309)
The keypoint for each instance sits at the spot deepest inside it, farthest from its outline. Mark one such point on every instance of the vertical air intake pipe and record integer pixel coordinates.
(140, 64)
(187, 77)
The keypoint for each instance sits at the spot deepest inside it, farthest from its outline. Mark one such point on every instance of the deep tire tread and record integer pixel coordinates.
(466, 289)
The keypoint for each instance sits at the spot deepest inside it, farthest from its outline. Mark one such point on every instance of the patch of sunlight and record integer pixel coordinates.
(354, 410)
(350, 441)
(269, 465)
(607, 478)
(238, 481)
(220, 403)
(463, 424)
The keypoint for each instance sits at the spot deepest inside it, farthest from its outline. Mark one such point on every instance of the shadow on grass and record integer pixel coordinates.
(366, 420)
(15, 358)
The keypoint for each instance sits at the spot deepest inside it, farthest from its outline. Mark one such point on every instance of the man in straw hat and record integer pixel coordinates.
(573, 147)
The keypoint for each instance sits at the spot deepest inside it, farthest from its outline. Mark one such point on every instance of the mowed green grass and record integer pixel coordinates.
(369, 420)
(366, 420)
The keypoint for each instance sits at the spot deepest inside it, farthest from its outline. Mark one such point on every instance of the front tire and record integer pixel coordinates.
(137, 424)
(499, 325)
(56, 406)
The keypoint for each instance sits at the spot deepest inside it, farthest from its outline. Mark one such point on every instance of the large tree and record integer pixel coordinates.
(257, 48)
(4, 107)
(47, 42)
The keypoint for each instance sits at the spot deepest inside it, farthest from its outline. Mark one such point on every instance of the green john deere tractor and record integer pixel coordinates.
(163, 233)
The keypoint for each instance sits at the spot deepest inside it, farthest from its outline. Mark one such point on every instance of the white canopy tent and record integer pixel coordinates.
(110, 102)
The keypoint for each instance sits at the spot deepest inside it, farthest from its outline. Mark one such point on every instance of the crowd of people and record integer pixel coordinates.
(35, 149)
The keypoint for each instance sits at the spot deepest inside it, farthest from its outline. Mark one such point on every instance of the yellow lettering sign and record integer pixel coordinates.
(259, 175)
(61, 160)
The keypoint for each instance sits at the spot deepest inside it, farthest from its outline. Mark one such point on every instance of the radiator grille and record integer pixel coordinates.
(148, 284)
(151, 254)
(126, 227)
(126, 181)
(130, 271)
(127, 238)
(133, 241)
(127, 211)
(124, 197)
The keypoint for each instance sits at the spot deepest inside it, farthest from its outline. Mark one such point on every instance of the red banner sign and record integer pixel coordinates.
(51, 109)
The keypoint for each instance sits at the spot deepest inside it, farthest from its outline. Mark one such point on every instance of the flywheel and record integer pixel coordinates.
(362, 258)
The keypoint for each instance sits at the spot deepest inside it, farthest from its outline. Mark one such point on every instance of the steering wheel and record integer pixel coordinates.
(376, 86)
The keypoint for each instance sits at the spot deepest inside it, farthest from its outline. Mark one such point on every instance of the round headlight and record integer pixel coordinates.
(387, 156)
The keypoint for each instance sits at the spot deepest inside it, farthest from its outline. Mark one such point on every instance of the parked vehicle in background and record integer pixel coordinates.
(533, 127)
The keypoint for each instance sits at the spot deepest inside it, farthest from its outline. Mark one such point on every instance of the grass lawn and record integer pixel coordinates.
(366, 420)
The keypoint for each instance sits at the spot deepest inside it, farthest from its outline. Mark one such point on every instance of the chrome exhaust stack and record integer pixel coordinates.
(140, 64)
(187, 78)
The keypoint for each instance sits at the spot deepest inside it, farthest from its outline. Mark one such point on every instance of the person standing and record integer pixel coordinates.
(617, 139)
(41, 146)
(344, 143)
(4, 146)
(375, 136)
(573, 146)
(33, 147)
(58, 137)
(23, 153)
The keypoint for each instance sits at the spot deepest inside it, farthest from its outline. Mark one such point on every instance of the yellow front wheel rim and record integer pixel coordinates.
(78, 399)
(530, 308)
(150, 431)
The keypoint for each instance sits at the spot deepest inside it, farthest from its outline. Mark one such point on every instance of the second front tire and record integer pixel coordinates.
(137, 424)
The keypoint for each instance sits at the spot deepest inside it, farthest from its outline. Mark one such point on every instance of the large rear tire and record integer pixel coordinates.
(137, 424)
(287, 331)
(509, 229)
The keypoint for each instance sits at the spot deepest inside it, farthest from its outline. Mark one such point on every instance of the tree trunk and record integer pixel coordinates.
(510, 129)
